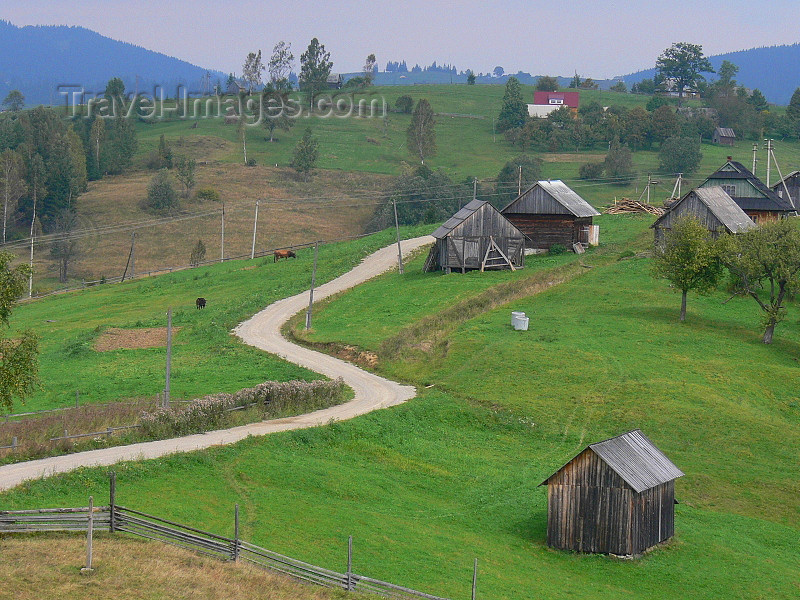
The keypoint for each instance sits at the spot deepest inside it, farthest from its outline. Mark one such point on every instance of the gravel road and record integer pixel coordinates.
(262, 331)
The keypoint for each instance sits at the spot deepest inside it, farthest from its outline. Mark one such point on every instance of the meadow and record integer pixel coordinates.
(453, 474)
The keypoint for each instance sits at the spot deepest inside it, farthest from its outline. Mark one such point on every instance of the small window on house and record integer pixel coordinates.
(730, 190)
(556, 101)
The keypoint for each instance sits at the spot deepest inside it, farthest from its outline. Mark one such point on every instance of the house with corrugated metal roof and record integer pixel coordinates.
(749, 192)
(711, 206)
(334, 81)
(788, 188)
(724, 136)
(615, 497)
(476, 237)
(550, 212)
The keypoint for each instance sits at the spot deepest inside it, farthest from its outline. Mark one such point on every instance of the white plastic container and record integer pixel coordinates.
(521, 324)
(515, 315)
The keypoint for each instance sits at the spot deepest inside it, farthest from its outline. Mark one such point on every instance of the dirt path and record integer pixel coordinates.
(262, 331)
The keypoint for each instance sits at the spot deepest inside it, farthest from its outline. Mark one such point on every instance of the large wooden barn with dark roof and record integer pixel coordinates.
(715, 210)
(615, 497)
(476, 237)
(749, 192)
(548, 213)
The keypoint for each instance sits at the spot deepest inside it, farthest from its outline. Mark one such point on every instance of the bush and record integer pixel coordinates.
(404, 104)
(198, 254)
(161, 196)
(251, 162)
(557, 249)
(273, 399)
(207, 194)
(591, 170)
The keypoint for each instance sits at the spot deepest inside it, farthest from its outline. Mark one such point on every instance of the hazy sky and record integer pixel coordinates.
(596, 39)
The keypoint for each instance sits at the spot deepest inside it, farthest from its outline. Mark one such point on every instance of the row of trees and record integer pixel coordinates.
(764, 264)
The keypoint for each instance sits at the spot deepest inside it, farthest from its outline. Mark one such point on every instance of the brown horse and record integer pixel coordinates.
(283, 254)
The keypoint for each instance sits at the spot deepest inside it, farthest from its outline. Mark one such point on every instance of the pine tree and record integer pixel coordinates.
(514, 111)
(306, 154)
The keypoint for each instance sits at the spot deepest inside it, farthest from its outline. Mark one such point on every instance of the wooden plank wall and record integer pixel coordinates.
(545, 230)
(591, 509)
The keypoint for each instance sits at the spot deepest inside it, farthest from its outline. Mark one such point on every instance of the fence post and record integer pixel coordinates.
(349, 563)
(313, 283)
(77, 396)
(236, 533)
(14, 444)
(89, 528)
(112, 498)
(474, 578)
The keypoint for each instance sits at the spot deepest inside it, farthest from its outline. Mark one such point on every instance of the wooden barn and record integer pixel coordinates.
(615, 497)
(788, 188)
(724, 136)
(715, 210)
(549, 212)
(759, 202)
(477, 237)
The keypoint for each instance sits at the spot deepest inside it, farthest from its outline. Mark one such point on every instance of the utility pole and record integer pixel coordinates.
(474, 188)
(33, 221)
(222, 239)
(769, 152)
(313, 282)
(133, 254)
(255, 228)
(519, 182)
(169, 357)
(397, 229)
(648, 188)
(778, 168)
(755, 160)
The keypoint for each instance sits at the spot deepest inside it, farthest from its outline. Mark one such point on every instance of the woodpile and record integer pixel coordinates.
(626, 205)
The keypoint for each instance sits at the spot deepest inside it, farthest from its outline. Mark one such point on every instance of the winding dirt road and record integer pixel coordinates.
(262, 331)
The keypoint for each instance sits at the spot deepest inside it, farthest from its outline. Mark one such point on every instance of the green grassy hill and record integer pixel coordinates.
(453, 474)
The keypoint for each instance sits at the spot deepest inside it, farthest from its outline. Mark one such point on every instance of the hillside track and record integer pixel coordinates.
(262, 331)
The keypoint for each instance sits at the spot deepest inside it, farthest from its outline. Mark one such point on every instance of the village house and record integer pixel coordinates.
(759, 202)
(549, 212)
(788, 188)
(546, 102)
(715, 210)
(724, 136)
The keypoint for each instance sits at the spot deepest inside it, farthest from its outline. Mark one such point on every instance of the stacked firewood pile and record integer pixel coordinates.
(626, 205)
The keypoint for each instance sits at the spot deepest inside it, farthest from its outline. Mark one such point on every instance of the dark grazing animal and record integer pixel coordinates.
(284, 254)
(200, 303)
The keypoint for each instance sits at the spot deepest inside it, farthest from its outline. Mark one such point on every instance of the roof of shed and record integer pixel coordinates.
(563, 194)
(769, 200)
(721, 205)
(725, 132)
(775, 186)
(636, 459)
(462, 215)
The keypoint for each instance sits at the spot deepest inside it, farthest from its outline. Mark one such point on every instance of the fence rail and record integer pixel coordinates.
(53, 519)
(116, 518)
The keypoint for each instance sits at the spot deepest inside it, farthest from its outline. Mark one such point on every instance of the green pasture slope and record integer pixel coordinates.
(69, 324)
(464, 137)
(453, 474)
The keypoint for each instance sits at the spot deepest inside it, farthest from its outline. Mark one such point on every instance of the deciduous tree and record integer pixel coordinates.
(185, 168)
(421, 134)
(546, 83)
(680, 155)
(19, 366)
(369, 69)
(65, 247)
(315, 66)
(161, 196)
(252, 70)
(618, 164)
(688, 259)
(12, 182)
(14, 101)
(280, 66)
(518, 173)
(766, 261)
(683, 63)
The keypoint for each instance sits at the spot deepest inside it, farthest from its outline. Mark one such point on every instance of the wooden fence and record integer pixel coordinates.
(116, 518)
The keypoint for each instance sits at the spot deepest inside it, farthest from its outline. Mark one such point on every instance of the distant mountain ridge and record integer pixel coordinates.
(775, 70)
(38, 59)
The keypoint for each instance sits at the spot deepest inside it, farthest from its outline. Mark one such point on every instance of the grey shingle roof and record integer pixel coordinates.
(726, 132)
(636, 459)
(768, 200)
(725, 209)
(468, 210)
(561, 193)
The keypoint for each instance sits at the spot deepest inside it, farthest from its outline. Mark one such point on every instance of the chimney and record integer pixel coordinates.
(730, 158)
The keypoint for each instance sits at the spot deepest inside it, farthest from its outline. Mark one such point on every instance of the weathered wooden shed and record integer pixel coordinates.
(724, 136)
(714, 208)
(477, 237)
(615, 497)
(549, 212)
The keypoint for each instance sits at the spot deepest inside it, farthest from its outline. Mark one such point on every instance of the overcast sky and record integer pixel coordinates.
(596, 39)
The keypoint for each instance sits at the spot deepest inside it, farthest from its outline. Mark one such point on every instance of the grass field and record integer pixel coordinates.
(452, 475)
(69, 325)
